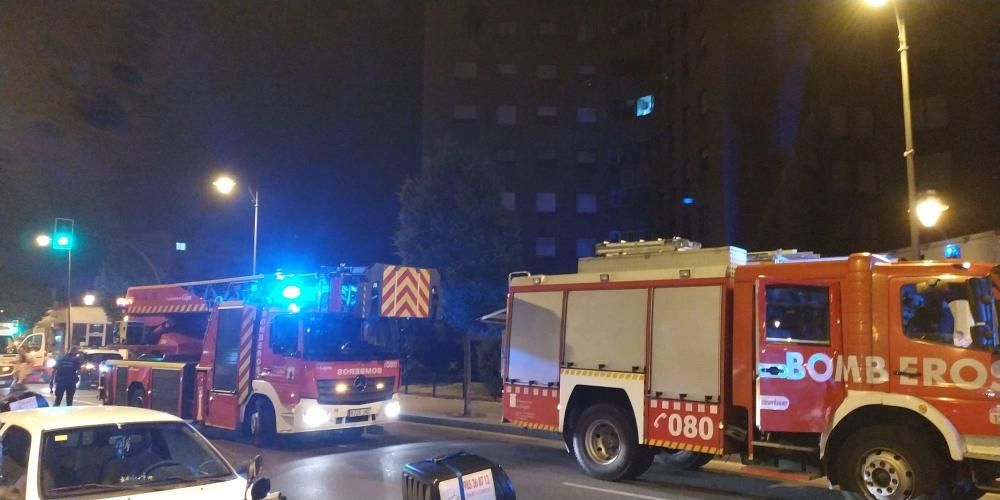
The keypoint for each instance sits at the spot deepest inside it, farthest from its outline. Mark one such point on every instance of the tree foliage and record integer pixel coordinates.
(451, 219)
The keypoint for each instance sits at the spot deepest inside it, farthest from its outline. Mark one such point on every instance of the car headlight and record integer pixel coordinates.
(6, 369)
(392, 409)
(51, 362)
(103, 369)
(315, 416)
(88, 366)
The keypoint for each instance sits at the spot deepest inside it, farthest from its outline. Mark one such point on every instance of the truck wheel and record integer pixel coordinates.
(605, 444)
(136, 398)
(680, 460)
(879, 462)
(262, 424)
(642, 463)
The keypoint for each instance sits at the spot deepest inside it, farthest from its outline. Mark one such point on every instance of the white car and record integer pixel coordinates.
(114, 452)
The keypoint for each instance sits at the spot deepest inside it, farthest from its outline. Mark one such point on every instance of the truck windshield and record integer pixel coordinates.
(336, 337)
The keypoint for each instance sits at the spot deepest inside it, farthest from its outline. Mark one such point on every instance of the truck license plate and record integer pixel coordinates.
(360, 412)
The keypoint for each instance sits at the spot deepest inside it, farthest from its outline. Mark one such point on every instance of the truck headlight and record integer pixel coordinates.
(88, 366)
(392, 409)
(315, 416)
(51, 362)
(340, 388)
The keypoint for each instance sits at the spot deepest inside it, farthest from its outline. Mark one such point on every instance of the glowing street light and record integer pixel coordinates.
(43, 240)
(876, 3)
(89, 299)
(225, 185)
(930, 208)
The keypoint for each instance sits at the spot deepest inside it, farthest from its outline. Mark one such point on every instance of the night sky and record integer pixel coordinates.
(119, 113)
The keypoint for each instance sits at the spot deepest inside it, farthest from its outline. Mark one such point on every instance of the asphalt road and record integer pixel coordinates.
(326, 467)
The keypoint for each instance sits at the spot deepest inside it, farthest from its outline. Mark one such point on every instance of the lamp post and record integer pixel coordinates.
(908, 152)
(61, 241)
(225, 185)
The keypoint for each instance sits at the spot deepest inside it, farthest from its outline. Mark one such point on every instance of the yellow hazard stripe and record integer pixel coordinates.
(684, 446)
(540, 427)
(603, 374)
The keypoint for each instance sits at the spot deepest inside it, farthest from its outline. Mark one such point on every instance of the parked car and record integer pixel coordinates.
(117, 453)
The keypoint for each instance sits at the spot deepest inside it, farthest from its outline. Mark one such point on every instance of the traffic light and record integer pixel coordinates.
(62, 235)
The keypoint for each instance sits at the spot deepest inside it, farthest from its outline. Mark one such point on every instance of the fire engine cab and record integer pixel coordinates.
(883, 376)
(271, 354)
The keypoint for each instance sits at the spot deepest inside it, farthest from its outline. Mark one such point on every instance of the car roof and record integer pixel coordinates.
(39, 420)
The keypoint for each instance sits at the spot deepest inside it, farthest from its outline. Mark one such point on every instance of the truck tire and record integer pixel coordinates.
(263, 426)
(642, 463)
(879, 462)
(136, 398)
(681, 460)
(605, 444)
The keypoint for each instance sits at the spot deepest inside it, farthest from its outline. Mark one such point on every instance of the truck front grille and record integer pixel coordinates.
(355, 395)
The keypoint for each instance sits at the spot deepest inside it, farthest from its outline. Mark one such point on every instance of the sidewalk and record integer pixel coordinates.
(447, 412)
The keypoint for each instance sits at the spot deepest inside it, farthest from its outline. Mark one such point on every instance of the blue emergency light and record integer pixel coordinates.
(952, 251)
(291, 292)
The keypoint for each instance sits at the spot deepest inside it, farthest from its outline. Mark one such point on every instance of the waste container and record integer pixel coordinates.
(458, 476)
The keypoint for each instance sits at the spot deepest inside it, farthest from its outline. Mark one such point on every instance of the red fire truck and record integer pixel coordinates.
(271, 355)
(883, 376)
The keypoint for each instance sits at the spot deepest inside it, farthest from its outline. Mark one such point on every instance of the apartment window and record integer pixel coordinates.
(586, 115)
(615, 196)
(935, 170)
(585, 32)
(586, 158)
(464, 112)
(507, 69)
(506, 115)
(507, 28)
(936, 109)
(547, 71)
(584, 247)
(864, 123)
(545, 203)
(545, 246)
(548, 29)
(586, 203)
(586, 70)
(508, 200)
(546, 159)
(838, 121)
(547, 111)
(644, 105)
(465, 70)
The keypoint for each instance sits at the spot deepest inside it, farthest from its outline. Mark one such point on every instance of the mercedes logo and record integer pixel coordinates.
(360, 383)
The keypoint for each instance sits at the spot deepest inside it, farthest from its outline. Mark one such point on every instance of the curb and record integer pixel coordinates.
(479, 426)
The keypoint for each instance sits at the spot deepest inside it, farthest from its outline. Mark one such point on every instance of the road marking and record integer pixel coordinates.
(622, 493)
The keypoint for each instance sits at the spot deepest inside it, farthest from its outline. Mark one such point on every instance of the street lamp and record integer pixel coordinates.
(43, 240)
(930, 208)
(89, 299)
(225, 185)
(908, 152)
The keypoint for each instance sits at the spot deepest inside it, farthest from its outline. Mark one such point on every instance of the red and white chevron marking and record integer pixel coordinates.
(246, 341)
(167, 308)
(406, 292)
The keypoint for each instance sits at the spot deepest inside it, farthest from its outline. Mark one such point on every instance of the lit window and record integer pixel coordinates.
(545, 203)
(181, 246)
(465, 70)
(548, 29)
(508, 200)
(584, 247)
(586, 115)
(547, 71)
(644, 105)
(586, 70)
(506, 115)
(545, 246)
(547, 111)
(507, 69)
(464, 112)
(586, 203)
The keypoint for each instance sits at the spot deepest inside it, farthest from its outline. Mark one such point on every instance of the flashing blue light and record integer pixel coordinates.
(687, 200)
(952, 251)
(291, 292)
(293, 308)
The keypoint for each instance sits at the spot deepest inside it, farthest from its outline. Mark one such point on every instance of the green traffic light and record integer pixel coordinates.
(62, 242)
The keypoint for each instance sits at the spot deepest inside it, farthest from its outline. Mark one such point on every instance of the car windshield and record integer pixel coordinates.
(336, 337)
(126, 457)
(961, 313)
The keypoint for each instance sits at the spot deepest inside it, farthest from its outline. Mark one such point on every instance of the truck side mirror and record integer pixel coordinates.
(254, 467)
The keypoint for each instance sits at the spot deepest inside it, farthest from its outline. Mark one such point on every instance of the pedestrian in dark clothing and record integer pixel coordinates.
(67, 375)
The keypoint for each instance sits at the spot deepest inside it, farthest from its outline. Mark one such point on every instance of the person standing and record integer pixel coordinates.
(67, 375)
(21, 371)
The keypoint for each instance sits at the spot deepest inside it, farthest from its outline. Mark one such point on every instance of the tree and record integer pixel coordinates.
(451, 219)
(123, 266)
